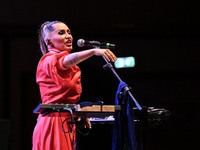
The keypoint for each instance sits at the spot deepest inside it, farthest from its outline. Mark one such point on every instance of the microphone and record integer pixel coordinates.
(82, 43)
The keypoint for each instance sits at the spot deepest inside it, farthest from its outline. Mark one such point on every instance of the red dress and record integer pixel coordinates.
(57, 85)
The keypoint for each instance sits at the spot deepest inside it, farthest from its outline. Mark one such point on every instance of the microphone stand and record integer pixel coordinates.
(123, 104)
(127, 89)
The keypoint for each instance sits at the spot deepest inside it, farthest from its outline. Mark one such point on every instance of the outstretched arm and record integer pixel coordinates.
(77, 57)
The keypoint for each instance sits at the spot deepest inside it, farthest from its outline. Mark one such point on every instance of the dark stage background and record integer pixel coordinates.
(163, 36)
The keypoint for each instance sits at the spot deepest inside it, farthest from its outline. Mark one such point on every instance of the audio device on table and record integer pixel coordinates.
(100, 114)
(84, 109)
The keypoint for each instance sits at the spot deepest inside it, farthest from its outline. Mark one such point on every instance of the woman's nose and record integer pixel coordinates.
(68, 35)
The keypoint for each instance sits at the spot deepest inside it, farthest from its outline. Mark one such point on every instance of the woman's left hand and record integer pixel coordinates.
(87, 124)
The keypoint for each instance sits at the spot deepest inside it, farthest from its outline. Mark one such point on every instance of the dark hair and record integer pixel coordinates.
(45, 28)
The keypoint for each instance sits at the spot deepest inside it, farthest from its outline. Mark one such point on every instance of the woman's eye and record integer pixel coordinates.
(69, 32)
(61, 32)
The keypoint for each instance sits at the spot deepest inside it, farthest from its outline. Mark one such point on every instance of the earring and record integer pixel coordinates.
(48, 42)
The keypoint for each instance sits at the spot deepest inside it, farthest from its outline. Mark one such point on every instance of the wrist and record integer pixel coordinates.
(93, 51)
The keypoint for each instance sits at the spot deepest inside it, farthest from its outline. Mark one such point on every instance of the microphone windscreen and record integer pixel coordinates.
(80, 42)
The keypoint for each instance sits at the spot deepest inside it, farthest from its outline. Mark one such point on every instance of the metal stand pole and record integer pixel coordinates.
(109, 65)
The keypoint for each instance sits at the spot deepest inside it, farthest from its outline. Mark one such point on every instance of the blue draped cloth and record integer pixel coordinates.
(124, 127)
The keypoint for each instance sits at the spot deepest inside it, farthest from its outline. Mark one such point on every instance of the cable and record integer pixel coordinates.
(72, 121)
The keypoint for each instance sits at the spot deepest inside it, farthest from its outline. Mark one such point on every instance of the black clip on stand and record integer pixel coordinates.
(109, 65)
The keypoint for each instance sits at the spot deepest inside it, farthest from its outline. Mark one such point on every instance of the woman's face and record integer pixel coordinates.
(61, 37)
